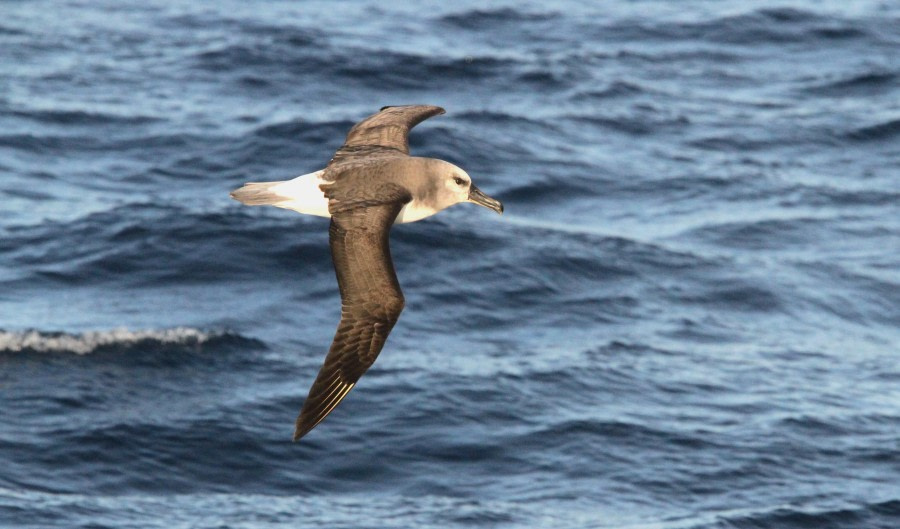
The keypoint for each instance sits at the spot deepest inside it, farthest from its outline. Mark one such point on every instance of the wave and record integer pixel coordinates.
(758, 27)
(764, 233)
(70, 144)
(547, 190)
(867, 83)
(146, 244)
(11, 31)
(115, 340)
(496, 117)
(281, 33)
(299, 129)
(643, 121)
(488, 18)
(365, 66)
(824, 195)
(613, 90)
(880, 131)
(736, 294)
(734, 143)
(81, 117)
(875, 515)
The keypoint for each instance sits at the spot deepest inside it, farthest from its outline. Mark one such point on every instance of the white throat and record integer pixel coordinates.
(413, 211)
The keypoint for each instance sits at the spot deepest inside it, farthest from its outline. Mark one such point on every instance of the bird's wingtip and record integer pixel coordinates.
(440, 110)
(299, 432)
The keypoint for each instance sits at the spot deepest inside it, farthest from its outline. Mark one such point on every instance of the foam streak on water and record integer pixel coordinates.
(687, 317)
(41, 342)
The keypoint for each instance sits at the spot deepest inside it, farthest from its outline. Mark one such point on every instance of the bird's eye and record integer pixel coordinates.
(459, 181)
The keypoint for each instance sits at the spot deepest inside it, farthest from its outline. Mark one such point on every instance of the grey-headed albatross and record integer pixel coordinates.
(371, 183)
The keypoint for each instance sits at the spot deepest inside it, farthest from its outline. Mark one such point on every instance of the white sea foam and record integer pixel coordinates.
(88, 342)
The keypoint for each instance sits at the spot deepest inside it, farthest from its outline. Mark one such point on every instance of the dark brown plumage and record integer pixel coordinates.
(383, 134)
(370, 184)
(371, 300)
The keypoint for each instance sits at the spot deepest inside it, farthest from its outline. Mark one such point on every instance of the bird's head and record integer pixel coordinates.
(455, 185)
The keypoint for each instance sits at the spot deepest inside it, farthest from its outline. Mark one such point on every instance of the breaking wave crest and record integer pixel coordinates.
(121, 339)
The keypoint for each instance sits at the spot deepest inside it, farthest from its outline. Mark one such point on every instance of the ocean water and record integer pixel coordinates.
(689, 316)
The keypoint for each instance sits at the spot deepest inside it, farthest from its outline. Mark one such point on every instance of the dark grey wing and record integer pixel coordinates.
(371, 302)
(385, 133)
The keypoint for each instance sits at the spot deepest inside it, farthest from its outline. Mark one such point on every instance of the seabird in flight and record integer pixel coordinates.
(371, 183)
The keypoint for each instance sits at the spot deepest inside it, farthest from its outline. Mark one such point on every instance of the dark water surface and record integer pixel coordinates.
(688, 317)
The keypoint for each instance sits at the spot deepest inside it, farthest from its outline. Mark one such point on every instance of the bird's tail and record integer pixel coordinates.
(258, 194)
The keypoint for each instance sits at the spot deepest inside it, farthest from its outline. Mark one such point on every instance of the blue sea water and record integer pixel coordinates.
(689, 316)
